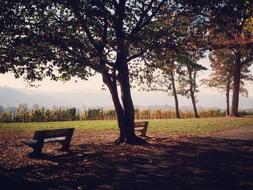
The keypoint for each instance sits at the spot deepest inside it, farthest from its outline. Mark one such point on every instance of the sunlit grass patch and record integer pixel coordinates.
(164, 126)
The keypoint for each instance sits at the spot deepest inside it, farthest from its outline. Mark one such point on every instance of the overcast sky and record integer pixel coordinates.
(14, 91)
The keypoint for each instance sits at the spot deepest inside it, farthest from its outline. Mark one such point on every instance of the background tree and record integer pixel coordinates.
(229, 28)
(188, 78)
(163, 78)
(222, 66)
(22, 113)
(188, 28)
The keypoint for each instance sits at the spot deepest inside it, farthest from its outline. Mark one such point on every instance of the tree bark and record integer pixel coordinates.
(228, 96)
(192, 91)
(193, 99)
(112, 86)
(174, 92)
(126, 124)
(236, 87)
(128, 107)
(125, 112)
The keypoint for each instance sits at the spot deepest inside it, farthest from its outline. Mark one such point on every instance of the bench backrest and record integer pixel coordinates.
(141, 124)
(43, 134)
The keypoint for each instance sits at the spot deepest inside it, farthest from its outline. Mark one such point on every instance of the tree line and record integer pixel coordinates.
(127, 41)
(180, 78)
(40, 114)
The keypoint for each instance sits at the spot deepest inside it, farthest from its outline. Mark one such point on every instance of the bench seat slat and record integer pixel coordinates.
(140, 124)
(138, 128)
(56, 139)
(47, 140)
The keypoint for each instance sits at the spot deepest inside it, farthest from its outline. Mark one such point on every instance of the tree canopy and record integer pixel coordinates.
(71, 38)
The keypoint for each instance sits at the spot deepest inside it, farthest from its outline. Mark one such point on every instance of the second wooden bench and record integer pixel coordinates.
(141, 126)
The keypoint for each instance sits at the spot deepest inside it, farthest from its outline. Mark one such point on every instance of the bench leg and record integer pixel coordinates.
(66, 142)
(65, 145)
(143, 133)
(37, 149)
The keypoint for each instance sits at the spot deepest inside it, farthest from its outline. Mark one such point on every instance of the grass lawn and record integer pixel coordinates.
(164, 126)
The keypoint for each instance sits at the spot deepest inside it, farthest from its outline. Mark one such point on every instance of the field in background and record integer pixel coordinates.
(163, 126)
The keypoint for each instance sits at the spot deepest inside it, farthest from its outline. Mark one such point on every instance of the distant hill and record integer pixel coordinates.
(84, 98)
(12, 97)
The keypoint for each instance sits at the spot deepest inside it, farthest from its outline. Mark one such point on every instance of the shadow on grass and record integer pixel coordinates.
(202, 163)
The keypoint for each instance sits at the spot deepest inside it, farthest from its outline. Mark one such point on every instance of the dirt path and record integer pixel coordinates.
(242, 133)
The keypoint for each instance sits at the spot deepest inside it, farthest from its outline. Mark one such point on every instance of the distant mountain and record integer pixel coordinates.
(85, 98)
(12, 97)
(77, 98)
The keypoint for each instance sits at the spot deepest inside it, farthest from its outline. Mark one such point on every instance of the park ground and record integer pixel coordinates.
(210, 153)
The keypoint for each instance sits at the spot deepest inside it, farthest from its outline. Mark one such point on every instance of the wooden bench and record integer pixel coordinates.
(62, 136)
(141, 126)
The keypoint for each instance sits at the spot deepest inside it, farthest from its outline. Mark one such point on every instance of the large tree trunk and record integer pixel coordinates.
(124, 113)
(174, 92)
(128, 107)
(236, 87)
(112, 86)
(228, 96)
